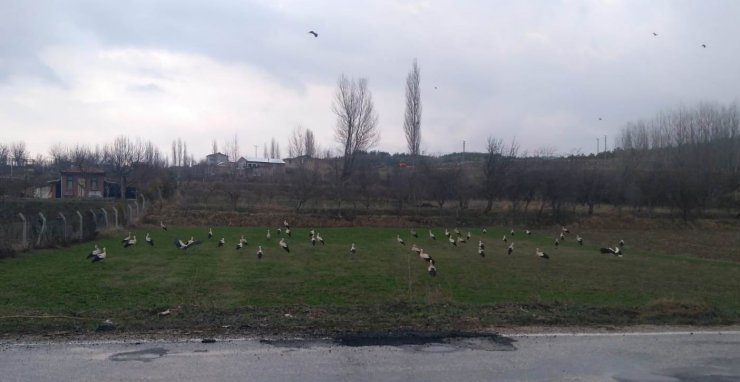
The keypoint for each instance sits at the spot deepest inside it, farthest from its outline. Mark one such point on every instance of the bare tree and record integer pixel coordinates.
(297, 142)
(264, 151)
(174, 153)
(310, 143)
(19, 153)
(123, 154)
(214, 147)
(4, 154)
(186, 159)
(356, 120)
(412, 119)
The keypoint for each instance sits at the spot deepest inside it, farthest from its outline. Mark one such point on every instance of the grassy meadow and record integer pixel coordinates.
(384, 285)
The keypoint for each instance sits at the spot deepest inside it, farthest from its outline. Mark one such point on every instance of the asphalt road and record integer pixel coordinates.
(676, 356)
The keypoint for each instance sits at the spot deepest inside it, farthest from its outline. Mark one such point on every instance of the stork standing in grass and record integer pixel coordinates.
(149, 240)
(621, 243)
(504, 239)
(285, 224)
(542, 255)
(431, 235)
(557, 242)
(100, 256)
(94, 252)
(413, 233)
(457, 231)
(353, 249)
(431, 269)
(210, 233)
(279, 231)
(131, 242)
(481, 245)
(528, 232)
(319, 238)
(127, 238)
(416, 249)
(268, 234)
(311, 233)
(565, 230)
(162, 225)
(511, 248)
(222, 242)
(468, 235)
(452, 241)
(287, 232)
(512, 232)
(447, 233)
(562, 236)
(481, 252)
(399, 240)
(313, 240)
(284, 245)
(259, 252)
(425, 256)
(485, 230)
(239, 245)
(579, 239)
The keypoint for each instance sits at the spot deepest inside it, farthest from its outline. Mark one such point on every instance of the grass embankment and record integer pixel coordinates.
(324, 289)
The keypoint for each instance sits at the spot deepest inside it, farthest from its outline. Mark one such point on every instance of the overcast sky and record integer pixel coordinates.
(542, 72)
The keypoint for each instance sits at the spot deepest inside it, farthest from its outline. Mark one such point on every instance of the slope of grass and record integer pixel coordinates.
(384, 285)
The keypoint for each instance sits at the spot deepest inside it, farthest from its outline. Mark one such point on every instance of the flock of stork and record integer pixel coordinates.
(315, 237)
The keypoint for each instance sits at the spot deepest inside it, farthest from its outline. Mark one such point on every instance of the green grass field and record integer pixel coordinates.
(384, 285)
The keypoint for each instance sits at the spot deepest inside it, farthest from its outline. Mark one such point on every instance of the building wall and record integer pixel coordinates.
(76, 185)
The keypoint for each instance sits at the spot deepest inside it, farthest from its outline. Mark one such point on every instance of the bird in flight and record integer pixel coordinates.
(599, 118)
(703, 45)
(655, 34)
(314, 33)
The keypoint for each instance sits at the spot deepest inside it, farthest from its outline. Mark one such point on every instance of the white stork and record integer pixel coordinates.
(481, 252)
(512, 232)
(210, 233)
(481, 245)
(452, 241)
(431, 235)
(504, 239)
(425, 256)
(222, 242)
(131, 242)
(528, 232)
(162, 225)
(239, 245)
(191, 241)
(313, 240)
(353, 249)
(562, 236)
(259, 252)
(557, 242)
(127, 238)
(268, 234)
(319, 238)
(447, 233)
(287, 232)
(616, 251)
(416, 249)
(484, 230)
(284, 245)
(565, 230)
(149, 239)
(311, 233)
(94, 252)
(180, 244)
(100, 256)
(621, 243)
(541, 254)
(579, 239)
(285, 223)
(511, 248)
(457, 231)
(279, 231)
(431, 269)
(468, 235)
(462, 240)
(413, 233)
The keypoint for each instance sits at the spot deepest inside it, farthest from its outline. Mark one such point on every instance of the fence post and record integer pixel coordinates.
(80, 215)
(130, 214)
(105, 216)
(95, 219)
(25, 231)
(136, 203)
(43, 227)
(64, 226)
(115, 214)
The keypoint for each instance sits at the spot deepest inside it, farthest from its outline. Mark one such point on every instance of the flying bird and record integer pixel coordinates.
(703, 45)
(655, 34)
(182, 245)
(541, 254)
(149, 239)
(314, 34)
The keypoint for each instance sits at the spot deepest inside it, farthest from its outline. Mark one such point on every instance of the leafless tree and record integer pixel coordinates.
(412, 118)
(297, 143)
(310, 143)
(214, 147)
(274, 149)
(19, 153)
(232, 148)
(4, 154)
(122, 155)
(356, 120)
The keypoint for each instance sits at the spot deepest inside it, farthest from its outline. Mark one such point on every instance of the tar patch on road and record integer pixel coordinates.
(418, 341)
(146, 355)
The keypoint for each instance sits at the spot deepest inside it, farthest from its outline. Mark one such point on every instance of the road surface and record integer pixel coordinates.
(660, 357)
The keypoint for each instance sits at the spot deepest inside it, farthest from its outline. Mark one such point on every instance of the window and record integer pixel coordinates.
(94, 183)
(70, 185)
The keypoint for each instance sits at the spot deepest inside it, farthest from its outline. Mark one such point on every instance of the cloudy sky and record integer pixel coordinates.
(542, 72)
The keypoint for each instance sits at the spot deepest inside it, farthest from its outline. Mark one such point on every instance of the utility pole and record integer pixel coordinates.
(605, 149)
(597, 146)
